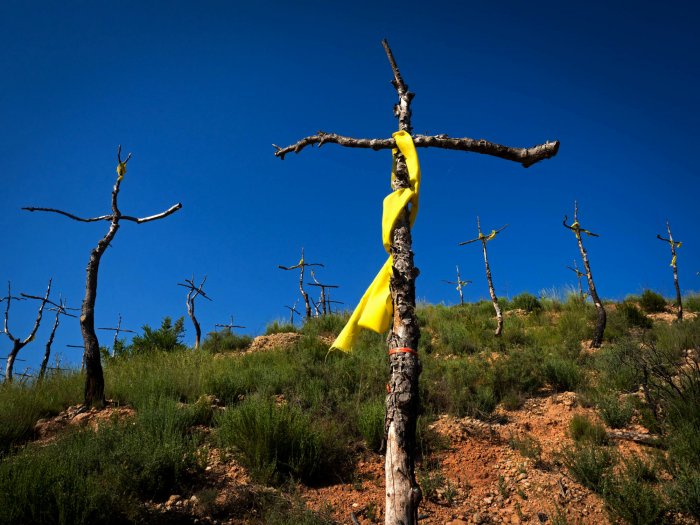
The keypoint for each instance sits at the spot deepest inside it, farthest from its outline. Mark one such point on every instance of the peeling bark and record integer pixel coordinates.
(601, 314)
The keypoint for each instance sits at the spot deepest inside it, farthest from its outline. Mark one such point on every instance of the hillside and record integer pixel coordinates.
(530, 427)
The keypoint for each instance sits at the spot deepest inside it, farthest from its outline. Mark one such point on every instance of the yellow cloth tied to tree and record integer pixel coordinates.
(375, 309)
(121, 170)
(489, 236)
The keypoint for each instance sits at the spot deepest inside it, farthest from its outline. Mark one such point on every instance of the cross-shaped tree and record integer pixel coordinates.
(602, 316)
(674, 245)
(94, 378)
(403, 494)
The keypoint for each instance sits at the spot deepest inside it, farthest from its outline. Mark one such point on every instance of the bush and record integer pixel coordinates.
(562, 374)
(225, 341)
(277, 327)
(629, 495)
(279, 441)
(527, 302)
(370, 423)
(691, 302)
(583, 429)
(167, 338)
(652, 302)
(633, 316)
(615, 413)
(589, 465)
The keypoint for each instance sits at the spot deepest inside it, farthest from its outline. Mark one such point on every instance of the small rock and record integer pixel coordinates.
(488, 500)
(457, 522)
(172, 500)
(194, 499)
(477, 518)
(522, 476)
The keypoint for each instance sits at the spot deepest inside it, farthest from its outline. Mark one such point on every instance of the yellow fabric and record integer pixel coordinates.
(489, 236)
(375, 309)
(673, 261)
(121, 170)
(577, 226)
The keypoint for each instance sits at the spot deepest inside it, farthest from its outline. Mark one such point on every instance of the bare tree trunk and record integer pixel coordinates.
(197, 328)
(47, 352)
(679, 302)
(94, 394)
(303, 292)
(602, 316)
(403, 494)
(17, 345)
(492, 293)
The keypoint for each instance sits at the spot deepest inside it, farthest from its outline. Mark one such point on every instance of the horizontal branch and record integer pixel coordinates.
(70, 215)
(162, 215)
(525, 156)
(324, 285)
(118, 330)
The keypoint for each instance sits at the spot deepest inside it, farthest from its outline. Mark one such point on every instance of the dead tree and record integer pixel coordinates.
(230, 326)
(579, 274)
(117, 330)
(330, 302)
(403, 494)
(301, 265)
(17, 343)
(292, 310)
(460, 284)
(674, 245)
(325, 295)
(94, 378)
(602, 316)
(193, 292)
(492, 291)
(61, 309)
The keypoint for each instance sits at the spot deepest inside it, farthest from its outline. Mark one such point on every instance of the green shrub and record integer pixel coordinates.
(527, 302)
(528, 446)
(278, 327)
(630, 496)
(615, 413)
(562, 374)
(589, 465)
(583, 429)
(652, 302)
(225, 341)
(278, 441)
(632, 315)
(370, 423)
(691, 302)
(167, 338)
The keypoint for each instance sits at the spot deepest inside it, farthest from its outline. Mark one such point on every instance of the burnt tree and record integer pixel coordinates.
(403, 495)
(17, 343)
(230, 326)
(492, 291)
(302, 264)
(579, 274)
(674, 245)
(602, 316)
(460, 284)
(61, 309)
(292, 310)
(325, 296)
(194, 291)
(94, 378)
(117, 330)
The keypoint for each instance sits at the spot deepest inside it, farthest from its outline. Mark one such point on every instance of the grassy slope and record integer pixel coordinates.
(327, 406)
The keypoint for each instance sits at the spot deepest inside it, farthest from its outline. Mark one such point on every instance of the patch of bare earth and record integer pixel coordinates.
(46, 429)
(483, 478)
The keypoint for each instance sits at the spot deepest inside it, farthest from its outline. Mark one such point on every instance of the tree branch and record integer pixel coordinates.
(525, 156)
(70, 215)
(162, 215)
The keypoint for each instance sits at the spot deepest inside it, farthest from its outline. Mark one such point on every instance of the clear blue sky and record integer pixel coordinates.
(199, 91)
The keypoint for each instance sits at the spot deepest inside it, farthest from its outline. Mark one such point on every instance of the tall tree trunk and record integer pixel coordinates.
(47, 352)
(679, 302)
(94, 377)
(17, 345)
(303, 292)
(492, 293)
(197, 328)
(403, 494)
(602, 317)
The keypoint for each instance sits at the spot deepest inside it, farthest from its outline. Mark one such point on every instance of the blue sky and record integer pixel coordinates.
(199, 92)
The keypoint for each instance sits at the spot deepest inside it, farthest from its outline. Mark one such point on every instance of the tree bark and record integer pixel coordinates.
(197, 328)
(679, 302)
(403, 494)
(492, 293)
(47, 351)
(17, 345)
(94, 393)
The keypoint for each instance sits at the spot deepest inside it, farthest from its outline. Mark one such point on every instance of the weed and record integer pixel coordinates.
(652, 302)
(583, 429)
(589, 464)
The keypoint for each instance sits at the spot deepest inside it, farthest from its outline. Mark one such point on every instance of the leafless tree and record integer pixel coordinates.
(460, 284)
(301, 265)
(117, 330)
(61, 309)
(94, 378)
(292, 310)
(602, 316)
(492, 291)
(403, 494)
(194, 291)
(230, 326)
(17, 343)
(325, 295)
(579, 274)
(674, 245)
